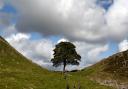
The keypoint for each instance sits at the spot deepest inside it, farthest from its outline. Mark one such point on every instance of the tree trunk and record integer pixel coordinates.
(64, 63)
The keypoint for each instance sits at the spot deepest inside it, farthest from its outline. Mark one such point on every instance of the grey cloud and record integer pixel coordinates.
(1, 4)
(76, 20)
(73, 19)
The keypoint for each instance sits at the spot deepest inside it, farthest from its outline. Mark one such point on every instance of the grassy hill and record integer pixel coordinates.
(112, 71)
(17, 72)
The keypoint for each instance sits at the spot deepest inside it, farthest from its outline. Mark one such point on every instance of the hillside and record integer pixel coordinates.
(17, 72)
(112, 71)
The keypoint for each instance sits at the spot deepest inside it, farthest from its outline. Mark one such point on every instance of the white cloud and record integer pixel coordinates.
(117, 20)
(73, 19)
(18, 37)
(41, 51)
(95, 53)
(89, 52)
(9, 30)
(83, 22)
(123, 45)
(62, 40)
(77, 20)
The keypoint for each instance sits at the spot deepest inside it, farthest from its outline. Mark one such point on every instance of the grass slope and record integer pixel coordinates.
(17, 72)
(112, 71)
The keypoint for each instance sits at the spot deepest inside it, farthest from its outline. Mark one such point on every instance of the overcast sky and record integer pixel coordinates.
(98, 28)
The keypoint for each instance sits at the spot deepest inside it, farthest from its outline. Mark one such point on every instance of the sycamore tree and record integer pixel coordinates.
(65, 54)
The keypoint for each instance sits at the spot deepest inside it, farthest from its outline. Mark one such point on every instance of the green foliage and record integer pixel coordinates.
(65, 53)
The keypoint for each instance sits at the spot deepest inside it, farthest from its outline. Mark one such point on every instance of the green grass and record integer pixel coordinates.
(17, 72)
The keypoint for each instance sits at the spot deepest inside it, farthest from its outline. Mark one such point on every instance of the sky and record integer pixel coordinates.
(98, 28)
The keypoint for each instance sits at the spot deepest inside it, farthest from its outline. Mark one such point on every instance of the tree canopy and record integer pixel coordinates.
(65, 53)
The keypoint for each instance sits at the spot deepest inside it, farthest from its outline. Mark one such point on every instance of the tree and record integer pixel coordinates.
(65, 53)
